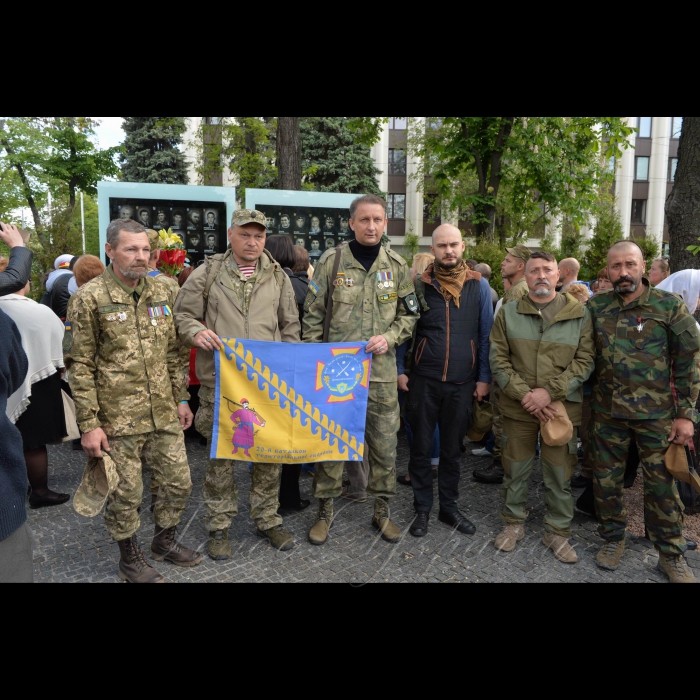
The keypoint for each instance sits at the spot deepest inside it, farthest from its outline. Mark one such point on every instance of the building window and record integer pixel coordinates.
(672, 168)
(397, 161)
(642, 169)
(639, 211)
(398, 123)
(397, 206)
(644, 126)
(676, 127)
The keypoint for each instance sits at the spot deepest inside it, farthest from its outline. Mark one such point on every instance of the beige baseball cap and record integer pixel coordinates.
(243, 217)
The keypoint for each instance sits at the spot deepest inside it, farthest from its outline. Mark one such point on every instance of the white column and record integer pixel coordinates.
(625, 181)
(380, 155)
(414, 197)
(658, 178)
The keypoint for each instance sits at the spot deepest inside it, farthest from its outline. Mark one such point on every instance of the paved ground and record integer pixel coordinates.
(71, 549)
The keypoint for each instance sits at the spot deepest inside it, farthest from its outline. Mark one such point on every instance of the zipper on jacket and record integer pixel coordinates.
(473, 354)
(447, 358)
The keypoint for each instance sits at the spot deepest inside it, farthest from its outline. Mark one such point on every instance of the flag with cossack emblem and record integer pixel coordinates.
(291, 404)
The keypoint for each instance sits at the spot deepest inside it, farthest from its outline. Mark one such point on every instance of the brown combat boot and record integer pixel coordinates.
(675, 568)
(610, 557)
(166, 548)
(133, 567)
(320, 531)
(508, 540)
(382, 522)
(278, 537)
(563, 551)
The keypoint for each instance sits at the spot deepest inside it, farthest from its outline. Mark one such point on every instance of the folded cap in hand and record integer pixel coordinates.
(100, 479)
(560, 430)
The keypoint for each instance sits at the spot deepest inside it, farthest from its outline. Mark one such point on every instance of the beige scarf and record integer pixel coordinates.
(452, 281)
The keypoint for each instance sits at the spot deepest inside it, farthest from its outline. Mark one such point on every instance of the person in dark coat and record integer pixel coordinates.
(282, 250)
(16, 565)
(19, 269)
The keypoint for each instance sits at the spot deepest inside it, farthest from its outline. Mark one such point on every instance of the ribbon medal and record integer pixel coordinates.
(385, 280)
(640, 327)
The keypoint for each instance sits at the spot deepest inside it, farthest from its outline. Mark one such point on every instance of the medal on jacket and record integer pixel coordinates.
(385, 280)
(350, 283)
(123, 318)
(640, 327)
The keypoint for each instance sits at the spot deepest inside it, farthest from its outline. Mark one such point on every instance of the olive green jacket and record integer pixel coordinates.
(363, 307)
(124, 361)
(261, 308)
(641, 347)
(528, 354)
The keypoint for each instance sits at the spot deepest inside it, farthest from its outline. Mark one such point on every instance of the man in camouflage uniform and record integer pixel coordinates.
(242, 294)
(373, 299)
(128, 381)
(513, 270)
(645, 339)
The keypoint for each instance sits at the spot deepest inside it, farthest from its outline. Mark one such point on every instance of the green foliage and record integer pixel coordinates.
(411, 246)
(151, 151)
(651, 249)
(607, 231)
(490, 254)
(334, 159)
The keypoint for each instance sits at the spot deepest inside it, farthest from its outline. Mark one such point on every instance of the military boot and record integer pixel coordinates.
(166, 548)
(610, 557)
(219, 547)
(278, 537)
(563, 551)
(382, 522)
(133, 567)
(319, 532)
(675, 568)
(508, 540)
(492, 476)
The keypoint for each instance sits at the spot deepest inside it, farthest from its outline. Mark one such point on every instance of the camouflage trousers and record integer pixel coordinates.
(497, 423)
(663, 508)
(383, 422)
(585, 435)
(220, 487)
(168, 460)
(558, 464)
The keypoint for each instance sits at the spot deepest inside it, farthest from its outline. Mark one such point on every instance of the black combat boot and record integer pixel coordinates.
(133, 567)
(494, 475)
(166, 548)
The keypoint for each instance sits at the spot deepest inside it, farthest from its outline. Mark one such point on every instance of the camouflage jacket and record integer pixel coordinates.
(365, 304)
(640, 347)
(125, 367)
(517, 293)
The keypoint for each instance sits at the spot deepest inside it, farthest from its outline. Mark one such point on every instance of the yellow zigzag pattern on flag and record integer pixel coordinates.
(271, 384)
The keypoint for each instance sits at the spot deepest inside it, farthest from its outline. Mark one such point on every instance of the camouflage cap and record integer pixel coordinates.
(243, 217)
(520, 251)
(100, 479)
(154, 239)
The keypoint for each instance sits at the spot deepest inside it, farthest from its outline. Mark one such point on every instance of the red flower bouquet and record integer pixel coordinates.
(172, 255)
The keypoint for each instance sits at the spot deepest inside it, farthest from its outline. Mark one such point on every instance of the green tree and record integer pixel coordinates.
(151, 150)
(334, 159)
(607, 230)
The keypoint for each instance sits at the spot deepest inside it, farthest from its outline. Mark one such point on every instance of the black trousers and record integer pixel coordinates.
(431, 403)
(290, 494)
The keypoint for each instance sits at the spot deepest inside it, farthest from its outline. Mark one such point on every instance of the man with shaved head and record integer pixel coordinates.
(646, 339)
(569, 270)
(450, 368)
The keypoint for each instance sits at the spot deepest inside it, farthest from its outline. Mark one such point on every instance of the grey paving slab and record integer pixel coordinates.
(73, 549)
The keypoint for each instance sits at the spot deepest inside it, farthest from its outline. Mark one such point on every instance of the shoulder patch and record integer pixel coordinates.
(68, 337)
(313, 288)
(411, 302)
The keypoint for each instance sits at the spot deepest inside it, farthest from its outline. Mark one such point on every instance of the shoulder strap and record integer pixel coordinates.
(213, 270)
(420, 293)
(329, 308)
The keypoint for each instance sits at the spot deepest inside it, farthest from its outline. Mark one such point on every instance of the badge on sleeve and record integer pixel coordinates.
(68, 337)
(411, 302)
(314, 288)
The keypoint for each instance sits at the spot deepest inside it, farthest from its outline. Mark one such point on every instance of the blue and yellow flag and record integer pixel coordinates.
(291, 404)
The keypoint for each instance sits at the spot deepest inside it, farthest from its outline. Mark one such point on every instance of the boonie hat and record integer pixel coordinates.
(560, 430)
(100, 479)
(243, 217)
(677, 465)
(482, 417)
(520, 251)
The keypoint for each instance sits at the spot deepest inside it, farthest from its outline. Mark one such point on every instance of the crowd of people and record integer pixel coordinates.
(556, 362)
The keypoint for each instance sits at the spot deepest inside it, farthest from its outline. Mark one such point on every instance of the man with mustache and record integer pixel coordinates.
(542, 351)
(127, 375)
(645, 339)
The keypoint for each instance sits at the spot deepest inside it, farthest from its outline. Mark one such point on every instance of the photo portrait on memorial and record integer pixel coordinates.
(126, 212)
(300, 225)
(212, 244)
(271, 225)
(145, 217)
(161, 220)
(178, 220)
(194, 242)
(316, 251)
(329, 227)
(211, 219)
(194, 220)
(300, 242)
(330, 243)
(344, 228)
(315, 226)
(285, 223)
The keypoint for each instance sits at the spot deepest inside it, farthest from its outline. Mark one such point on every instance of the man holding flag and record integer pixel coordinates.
(243, 294)
(362, 292)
